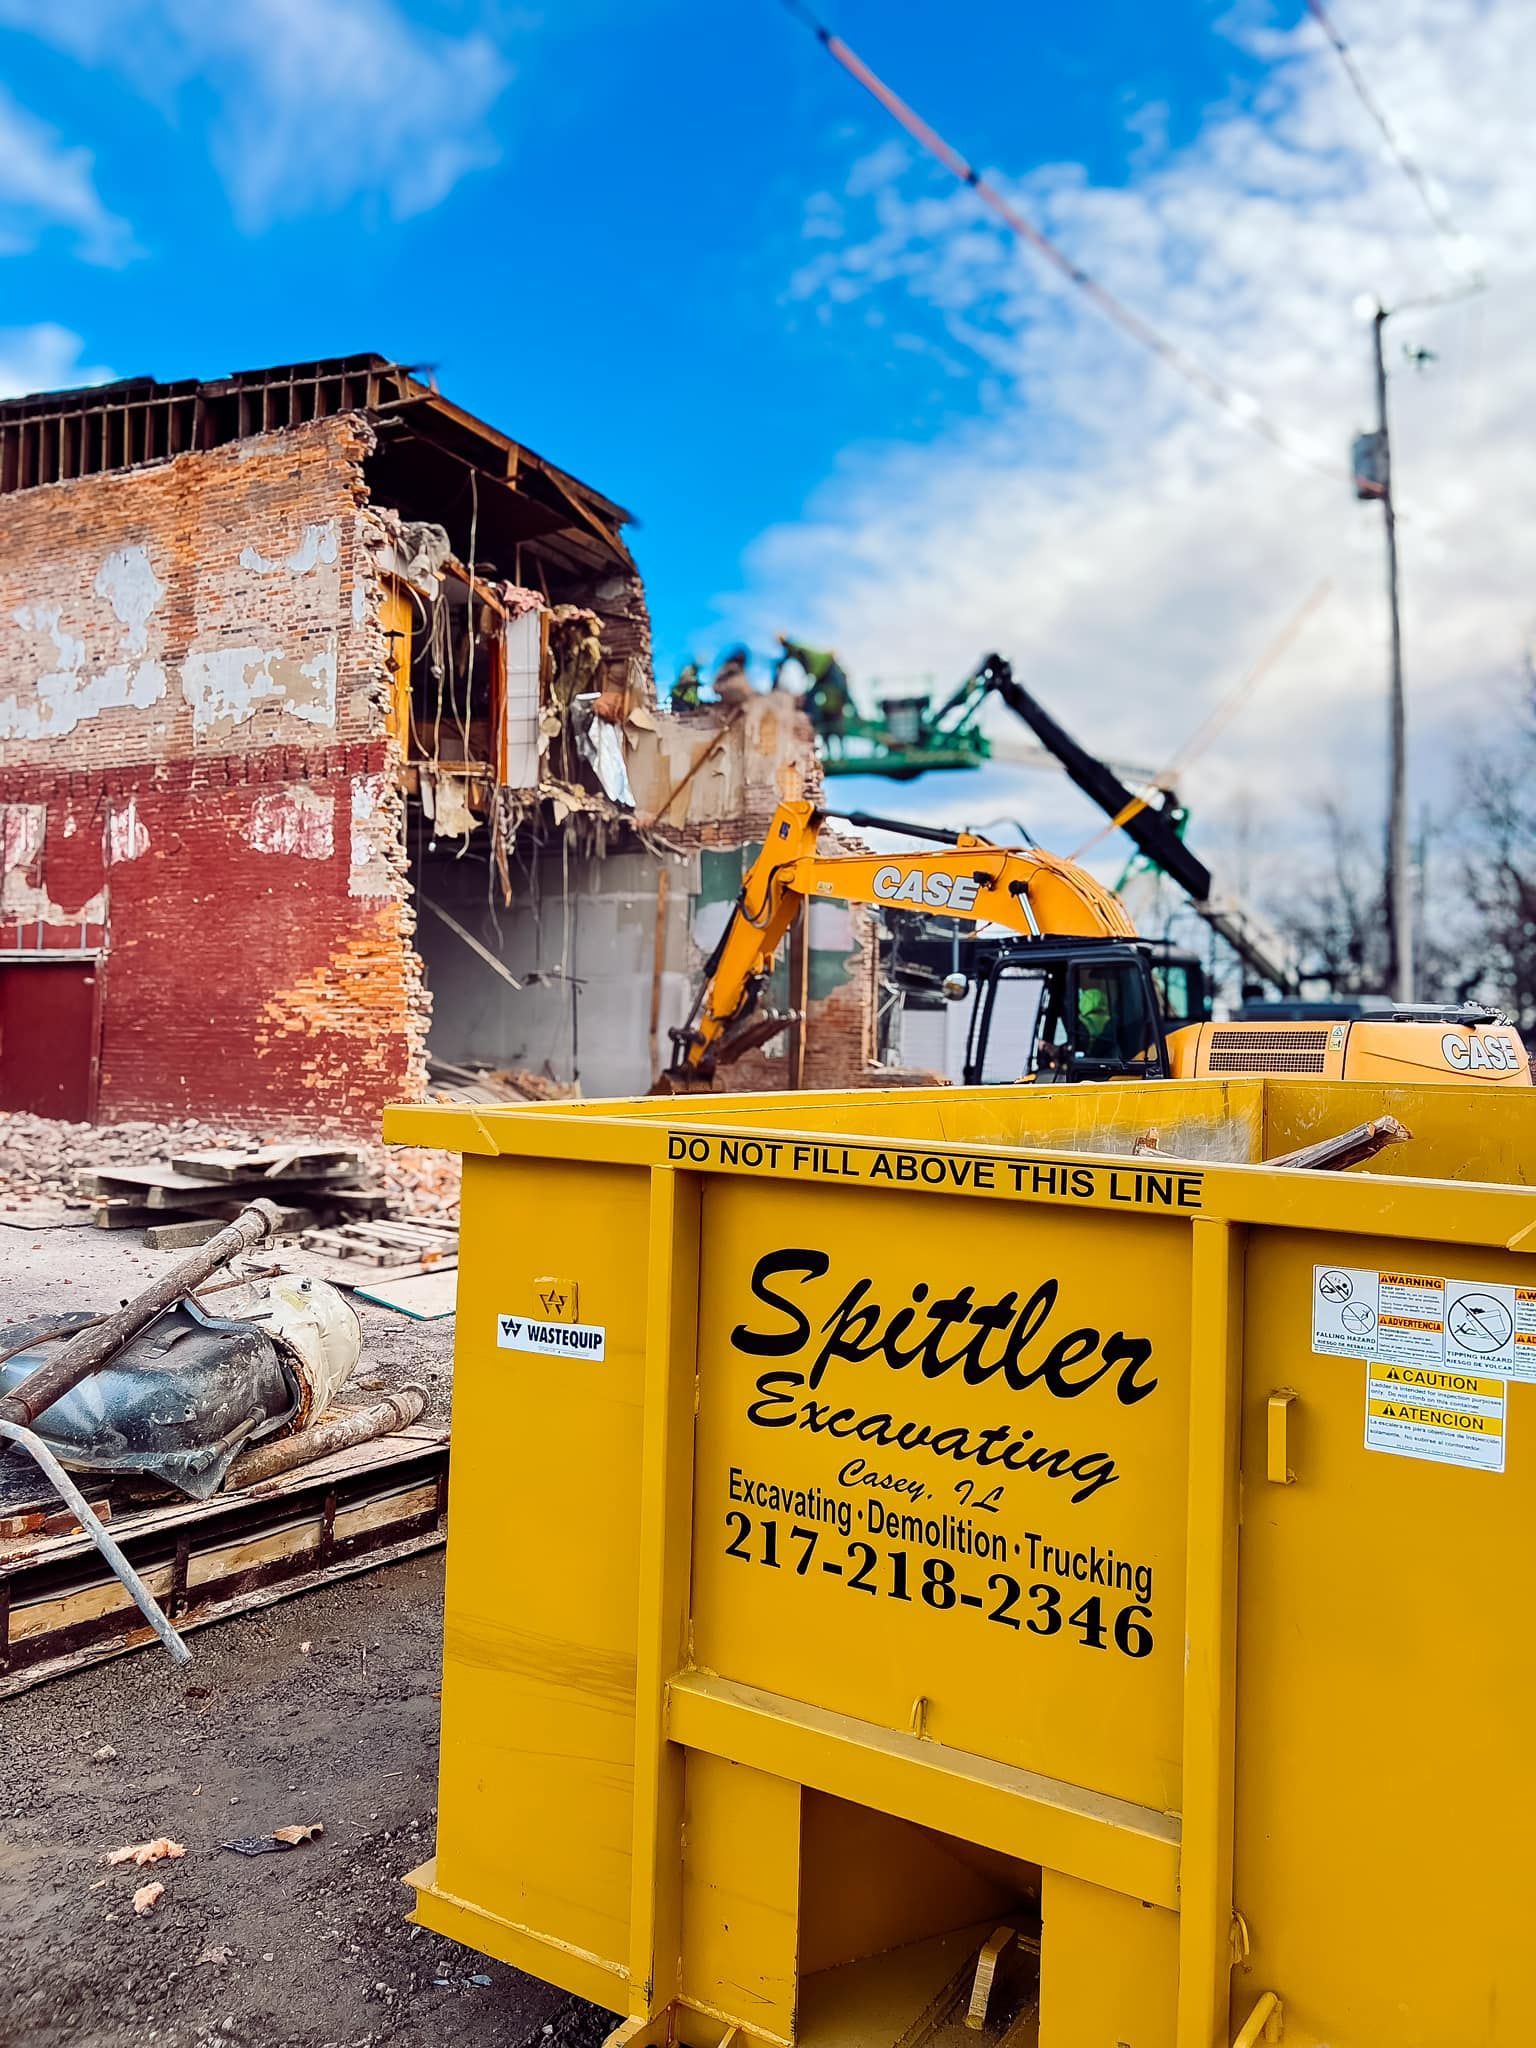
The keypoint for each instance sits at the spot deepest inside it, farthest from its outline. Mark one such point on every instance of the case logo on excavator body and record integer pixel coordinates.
(1471, 1054)
(935, 891)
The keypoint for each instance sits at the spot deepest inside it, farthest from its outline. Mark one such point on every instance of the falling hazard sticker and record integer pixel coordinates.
(1448, 1417)
(1481, 1327)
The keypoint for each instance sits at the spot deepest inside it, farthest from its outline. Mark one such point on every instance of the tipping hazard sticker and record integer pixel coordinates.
(1448, 1417)
(1439, 1356)
(1386, 1318)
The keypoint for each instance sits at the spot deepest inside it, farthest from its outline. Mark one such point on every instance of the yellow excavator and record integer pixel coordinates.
(1084, 996)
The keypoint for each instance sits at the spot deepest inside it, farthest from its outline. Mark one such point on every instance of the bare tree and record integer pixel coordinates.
(1333, 909)
(1498, 839)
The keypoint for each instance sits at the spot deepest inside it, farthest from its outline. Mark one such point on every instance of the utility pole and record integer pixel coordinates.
(1373, 479)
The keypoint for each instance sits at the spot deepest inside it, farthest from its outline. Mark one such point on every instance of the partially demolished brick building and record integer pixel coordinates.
(329, 748)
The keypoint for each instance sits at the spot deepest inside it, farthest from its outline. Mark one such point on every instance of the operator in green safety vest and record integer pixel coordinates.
(1095, 1019)
(828, 698)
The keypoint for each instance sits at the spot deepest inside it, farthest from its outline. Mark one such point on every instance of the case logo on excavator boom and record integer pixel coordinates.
(937, 892)
(1469, 1054)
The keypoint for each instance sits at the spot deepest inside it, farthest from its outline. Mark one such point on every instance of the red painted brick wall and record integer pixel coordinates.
(192, 756)
(241, 981)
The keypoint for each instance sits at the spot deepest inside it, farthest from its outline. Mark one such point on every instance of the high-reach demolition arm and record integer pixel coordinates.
(1030, 892)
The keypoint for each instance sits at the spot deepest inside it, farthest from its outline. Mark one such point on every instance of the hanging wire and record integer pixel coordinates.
(1237, 405)
(1446, 230)
(1210, 728)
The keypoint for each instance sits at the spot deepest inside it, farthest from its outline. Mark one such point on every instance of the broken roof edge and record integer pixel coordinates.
(414, 387)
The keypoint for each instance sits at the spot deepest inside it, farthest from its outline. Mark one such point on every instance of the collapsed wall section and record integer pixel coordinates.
(196, 784)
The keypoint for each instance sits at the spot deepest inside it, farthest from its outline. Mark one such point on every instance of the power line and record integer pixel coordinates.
(1235, 404)
(1446, 230)
(1212, 726)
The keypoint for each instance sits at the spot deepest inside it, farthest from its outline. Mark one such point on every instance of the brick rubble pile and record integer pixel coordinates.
(43, 1160)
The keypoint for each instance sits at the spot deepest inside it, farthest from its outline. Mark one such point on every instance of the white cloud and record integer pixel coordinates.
(44, 358)
(47, 184)
(1128, 548)
(309, 102)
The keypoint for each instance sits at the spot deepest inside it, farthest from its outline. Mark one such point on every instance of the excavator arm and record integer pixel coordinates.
(1030, 892)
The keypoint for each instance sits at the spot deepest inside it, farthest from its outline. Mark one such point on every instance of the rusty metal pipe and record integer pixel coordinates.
(336, 1433)
(90, 1348)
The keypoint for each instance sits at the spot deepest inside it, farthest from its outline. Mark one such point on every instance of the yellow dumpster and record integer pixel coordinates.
(999, 1563)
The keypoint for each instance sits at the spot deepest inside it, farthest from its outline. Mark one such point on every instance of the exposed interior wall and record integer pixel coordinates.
(713, 777)
(197, 783)
(603, 943)
(583, 939)
(842, 972)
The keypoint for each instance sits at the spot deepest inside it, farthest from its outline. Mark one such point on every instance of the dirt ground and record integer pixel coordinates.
(305, 1949)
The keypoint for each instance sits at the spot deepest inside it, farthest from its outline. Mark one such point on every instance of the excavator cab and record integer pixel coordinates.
(1081, 1010)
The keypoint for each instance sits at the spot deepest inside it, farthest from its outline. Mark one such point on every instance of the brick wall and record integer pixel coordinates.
(193, 764)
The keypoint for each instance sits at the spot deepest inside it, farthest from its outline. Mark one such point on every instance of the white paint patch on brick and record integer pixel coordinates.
(295, 821)
(126, 836)
(23, 880)
(68, 689)
(224, 685)
(320, 543)
(371, 873)
(320, 707)
(21, 836)
(133, 590)
(227, 685)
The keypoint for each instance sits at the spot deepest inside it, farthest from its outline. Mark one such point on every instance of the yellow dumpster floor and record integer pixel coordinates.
(916, 1997)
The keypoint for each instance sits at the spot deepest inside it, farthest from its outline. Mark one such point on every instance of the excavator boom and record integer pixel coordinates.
(1027, 891)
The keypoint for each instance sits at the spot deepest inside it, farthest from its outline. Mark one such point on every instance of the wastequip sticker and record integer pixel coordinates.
(554, 1340)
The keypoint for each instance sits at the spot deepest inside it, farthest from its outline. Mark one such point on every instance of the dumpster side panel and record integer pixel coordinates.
(536, 1791)
(878, 1373)
(1108, 1968)
(1386, 1787)
(741, 1887)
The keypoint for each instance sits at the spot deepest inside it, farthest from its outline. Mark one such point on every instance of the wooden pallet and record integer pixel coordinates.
(61, 1608)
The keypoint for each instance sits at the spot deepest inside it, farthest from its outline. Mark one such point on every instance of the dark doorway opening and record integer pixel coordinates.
(48, 1038)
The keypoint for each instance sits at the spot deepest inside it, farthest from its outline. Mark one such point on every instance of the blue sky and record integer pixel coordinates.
(674, 248)
(601, 264)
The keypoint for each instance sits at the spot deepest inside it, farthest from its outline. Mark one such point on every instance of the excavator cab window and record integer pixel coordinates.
(1066, 1017)
(1011, 1008)
(1111, 1024)
(1180, 985)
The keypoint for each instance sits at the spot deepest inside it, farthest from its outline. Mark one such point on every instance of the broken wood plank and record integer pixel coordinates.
(424, 1297)
(350, 1202)
(304, 1162)
(1349, 1148)
(348, 1512)
(122, 1215)
(304, 1261)
(178, 1237)
(159, 1188)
